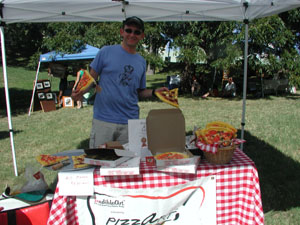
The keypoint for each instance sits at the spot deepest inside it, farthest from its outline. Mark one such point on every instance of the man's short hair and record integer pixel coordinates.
(134, 20)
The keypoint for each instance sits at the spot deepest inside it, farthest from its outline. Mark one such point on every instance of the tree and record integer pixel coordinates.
(22, 41)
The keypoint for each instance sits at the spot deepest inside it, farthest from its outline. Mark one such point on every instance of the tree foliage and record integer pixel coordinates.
(203, 47)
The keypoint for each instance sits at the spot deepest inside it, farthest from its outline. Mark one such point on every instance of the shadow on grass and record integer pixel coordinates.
(5, 134)
(19, 101)
(278, 175)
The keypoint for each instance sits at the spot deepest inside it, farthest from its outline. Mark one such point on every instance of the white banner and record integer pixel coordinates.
(190, 203)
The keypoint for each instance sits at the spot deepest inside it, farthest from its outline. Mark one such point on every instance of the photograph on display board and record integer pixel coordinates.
(41, 96)
(68, 102)
(39, 86)
(47, 84)
(49, 96)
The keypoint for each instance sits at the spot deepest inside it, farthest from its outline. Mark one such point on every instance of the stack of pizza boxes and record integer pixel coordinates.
(113, 159)
(166, 133)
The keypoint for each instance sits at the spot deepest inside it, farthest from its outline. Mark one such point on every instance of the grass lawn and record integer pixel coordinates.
(272, 134)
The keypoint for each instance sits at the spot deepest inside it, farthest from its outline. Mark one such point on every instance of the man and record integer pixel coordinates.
(230, 88)
(122, 73)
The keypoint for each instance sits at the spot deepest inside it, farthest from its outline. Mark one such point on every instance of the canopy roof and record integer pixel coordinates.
(16, 11)
(88, 52)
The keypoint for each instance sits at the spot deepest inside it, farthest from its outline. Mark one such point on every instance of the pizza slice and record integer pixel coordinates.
(85, 81)
(78, 161)
(48, 160)
(170, 97)
(171, 155)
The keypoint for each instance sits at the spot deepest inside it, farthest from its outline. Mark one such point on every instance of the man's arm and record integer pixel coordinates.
(148, 93)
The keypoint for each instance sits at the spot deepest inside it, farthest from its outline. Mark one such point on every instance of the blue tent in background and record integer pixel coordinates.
(87, 52)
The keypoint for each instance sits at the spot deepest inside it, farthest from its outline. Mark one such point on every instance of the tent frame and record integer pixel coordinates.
(180, 11)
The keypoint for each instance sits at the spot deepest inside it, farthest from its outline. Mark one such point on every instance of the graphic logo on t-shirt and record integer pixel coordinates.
(125, 77)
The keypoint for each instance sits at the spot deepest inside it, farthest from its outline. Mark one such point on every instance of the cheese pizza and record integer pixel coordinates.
(170, 97)
(48, 160)
(78, 161)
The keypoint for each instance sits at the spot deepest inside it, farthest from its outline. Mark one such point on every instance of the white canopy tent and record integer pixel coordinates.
(22, 11)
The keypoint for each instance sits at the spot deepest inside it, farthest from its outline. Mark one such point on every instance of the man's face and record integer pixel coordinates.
(131, 35)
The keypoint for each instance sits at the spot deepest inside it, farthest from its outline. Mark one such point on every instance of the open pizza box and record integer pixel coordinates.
(166, 133)
(108, 157)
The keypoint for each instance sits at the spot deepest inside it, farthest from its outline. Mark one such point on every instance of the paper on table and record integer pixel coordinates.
(76, 183)
(137, 135)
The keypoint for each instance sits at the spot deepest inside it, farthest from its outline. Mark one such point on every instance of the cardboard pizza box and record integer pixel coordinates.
(107, 157)
(129, 167)
(166, 133)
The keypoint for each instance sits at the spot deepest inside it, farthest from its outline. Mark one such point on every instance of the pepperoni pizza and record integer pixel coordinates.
(85, 81)
(170, 97)
(171, 155)
(48, 160)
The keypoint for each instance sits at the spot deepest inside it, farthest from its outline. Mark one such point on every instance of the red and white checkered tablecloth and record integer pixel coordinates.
(238, 197)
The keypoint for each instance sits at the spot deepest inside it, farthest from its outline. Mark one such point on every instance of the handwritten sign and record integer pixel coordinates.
(76, 183)
(137, 136)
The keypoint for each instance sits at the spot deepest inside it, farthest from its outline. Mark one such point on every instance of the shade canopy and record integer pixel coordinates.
(24, 11)
(87, 52)
(16, 11)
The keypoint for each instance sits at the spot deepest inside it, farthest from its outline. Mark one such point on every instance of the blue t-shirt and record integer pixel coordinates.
(121, 75)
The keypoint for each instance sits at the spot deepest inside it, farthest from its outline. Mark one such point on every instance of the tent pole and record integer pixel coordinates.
(34, 88)
(11, 132)
(245, 80)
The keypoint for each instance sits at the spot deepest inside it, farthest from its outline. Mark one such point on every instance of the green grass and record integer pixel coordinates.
(272, 133)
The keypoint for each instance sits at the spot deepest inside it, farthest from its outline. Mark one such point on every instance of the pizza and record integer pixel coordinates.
(85, 81)
(48, 160)
(171, 155)
(170, 96)
(78, 161)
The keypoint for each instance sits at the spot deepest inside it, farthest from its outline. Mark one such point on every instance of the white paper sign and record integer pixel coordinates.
(76, 183)
(190, 203)
(137, 136)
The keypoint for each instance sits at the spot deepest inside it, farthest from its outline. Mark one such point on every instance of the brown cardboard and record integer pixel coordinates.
(114, 144)
(165, 131)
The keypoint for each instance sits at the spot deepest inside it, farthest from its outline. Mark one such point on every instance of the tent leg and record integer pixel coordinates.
(34, 88)
(245, 82)
(11, 132)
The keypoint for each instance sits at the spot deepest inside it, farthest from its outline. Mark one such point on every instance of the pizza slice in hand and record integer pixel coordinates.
(85, 82)
(170, 97)
(48, 160)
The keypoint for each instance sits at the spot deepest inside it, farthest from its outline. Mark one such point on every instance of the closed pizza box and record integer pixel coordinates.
(166, 133)
(107, 157)
(129, 167)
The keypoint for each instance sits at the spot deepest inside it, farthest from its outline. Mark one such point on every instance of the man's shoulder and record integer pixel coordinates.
(110, 47)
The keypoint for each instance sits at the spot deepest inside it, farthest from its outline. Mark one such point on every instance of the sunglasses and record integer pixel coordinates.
(136, 32)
